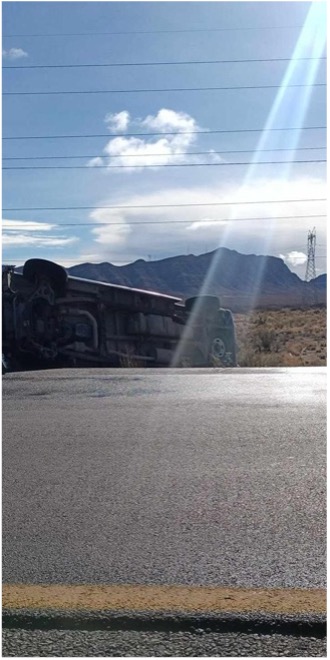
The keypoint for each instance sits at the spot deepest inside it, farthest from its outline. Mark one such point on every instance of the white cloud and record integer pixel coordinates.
(215, 157)
(26, 225)
(294, 258)
(95, 162)
(205, 223)
(153, 151)
(107, 235)
(27, 233)
(118, 122)
(14, 54)
(23, 240)
(169, 120)
(138, 152)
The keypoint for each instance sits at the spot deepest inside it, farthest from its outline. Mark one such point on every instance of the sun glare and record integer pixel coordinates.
(289, 109)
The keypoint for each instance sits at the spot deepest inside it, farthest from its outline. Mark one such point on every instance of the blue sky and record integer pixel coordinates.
(159, 32)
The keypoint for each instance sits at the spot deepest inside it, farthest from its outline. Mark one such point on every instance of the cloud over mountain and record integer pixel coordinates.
(274, 219)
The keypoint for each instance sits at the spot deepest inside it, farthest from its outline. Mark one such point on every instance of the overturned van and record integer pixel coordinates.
(50, 319)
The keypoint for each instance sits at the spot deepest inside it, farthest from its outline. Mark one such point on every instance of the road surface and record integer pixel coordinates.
(197, 478)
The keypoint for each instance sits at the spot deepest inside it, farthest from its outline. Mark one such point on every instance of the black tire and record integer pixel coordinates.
(207, 304)
(35, 269)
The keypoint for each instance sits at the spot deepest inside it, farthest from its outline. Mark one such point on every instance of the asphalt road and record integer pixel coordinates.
(66, 643)
(186, 477)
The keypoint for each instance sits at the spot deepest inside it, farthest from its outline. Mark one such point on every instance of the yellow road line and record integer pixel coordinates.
(171, 598)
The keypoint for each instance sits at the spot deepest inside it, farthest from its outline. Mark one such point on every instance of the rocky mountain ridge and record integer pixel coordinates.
(242, 281)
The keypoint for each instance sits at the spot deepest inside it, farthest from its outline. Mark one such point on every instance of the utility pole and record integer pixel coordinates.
(310, 292)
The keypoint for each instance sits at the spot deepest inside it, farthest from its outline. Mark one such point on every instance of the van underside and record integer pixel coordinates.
(51, 319)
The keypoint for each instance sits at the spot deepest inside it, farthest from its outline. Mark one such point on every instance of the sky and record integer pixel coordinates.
(196, 174)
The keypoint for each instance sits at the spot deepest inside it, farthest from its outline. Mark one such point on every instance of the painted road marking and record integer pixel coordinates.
(170, 598)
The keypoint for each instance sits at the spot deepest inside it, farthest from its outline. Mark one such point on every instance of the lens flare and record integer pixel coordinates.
(289, 106)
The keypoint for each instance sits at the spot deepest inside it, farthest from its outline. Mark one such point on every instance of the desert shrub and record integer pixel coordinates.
(265, 341)
(295, 336)
(290, 360)
(251, 358)
(260, 320)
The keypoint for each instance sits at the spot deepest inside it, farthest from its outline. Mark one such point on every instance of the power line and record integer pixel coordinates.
(166, 63)
(158, 90)
(93, 34)
(19, 226)
(134, 167)
(178, 153)
(153, 206)
(200, 132)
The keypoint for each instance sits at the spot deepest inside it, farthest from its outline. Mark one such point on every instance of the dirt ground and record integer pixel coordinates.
(284, 337)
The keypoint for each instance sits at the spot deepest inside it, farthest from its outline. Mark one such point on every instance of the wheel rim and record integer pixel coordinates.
(218, 348)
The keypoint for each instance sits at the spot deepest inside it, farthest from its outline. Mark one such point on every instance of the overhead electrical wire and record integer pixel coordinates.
(160, 133)
(166, 63)
(180, 89)
(178, 153)
(158, 90)
(187, 30)
(152, 134)
(19, 226)
(156, 206)
(134, 167)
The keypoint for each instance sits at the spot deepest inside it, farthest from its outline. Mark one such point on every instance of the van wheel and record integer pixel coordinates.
(36, 269)
(218, 349)
(222, 353)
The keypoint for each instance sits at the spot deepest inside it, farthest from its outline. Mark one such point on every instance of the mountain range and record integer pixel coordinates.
(242, 281)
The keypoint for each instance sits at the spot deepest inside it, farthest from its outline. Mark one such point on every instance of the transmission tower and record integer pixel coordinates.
(310, 293)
